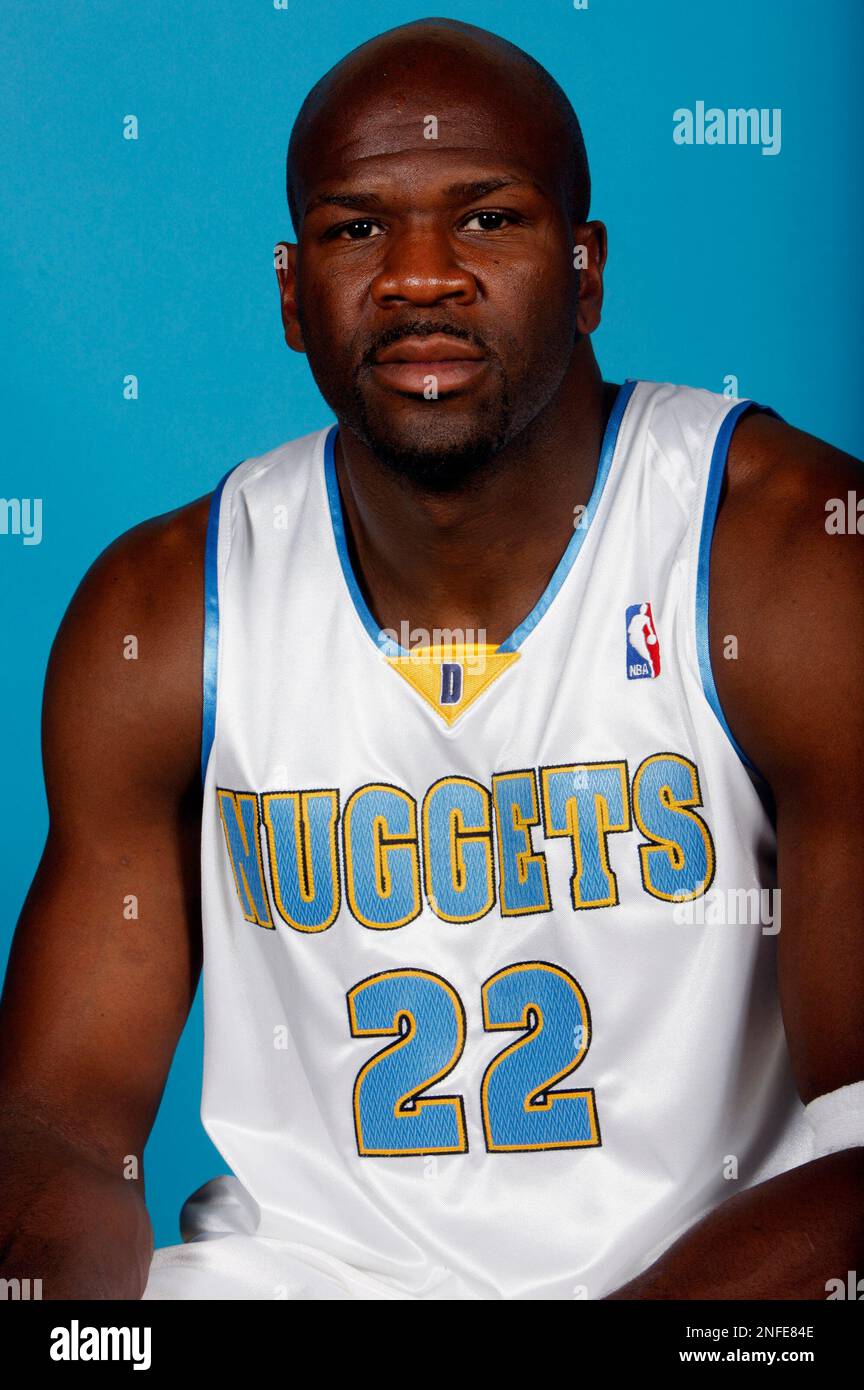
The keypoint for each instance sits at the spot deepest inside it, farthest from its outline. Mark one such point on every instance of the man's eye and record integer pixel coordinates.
(361, 230)
(489, 221)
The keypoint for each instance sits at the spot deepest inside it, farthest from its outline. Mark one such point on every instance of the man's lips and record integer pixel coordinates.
(438, 347)
(407, 365)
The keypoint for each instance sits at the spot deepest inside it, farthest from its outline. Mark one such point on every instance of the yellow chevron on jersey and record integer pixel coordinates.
(451, 676)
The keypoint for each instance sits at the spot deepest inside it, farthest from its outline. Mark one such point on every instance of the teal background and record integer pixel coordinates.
(155, 257)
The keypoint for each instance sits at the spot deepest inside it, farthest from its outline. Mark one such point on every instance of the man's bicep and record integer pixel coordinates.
(107, 952)
(791, 591)
(816, 760)
(100, 979)
(821, 942)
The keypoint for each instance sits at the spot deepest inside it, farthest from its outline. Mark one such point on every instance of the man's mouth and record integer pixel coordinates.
(430, 366)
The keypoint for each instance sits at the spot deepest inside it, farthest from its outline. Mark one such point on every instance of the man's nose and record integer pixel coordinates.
(421, 269)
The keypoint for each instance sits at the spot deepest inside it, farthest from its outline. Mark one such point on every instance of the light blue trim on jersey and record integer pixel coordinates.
(562, 569)
(211, 626)
(386, 644)
(716, 470)
(577, 540)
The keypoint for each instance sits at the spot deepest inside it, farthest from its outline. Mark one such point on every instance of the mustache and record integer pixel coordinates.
(421, 328)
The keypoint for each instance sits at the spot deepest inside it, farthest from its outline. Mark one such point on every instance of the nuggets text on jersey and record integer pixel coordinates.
(470, 846)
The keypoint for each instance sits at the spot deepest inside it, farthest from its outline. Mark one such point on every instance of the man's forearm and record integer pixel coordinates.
(68, 1220)
(785, 1238)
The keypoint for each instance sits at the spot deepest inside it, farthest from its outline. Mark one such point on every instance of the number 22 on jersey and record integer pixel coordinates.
(519, 1108)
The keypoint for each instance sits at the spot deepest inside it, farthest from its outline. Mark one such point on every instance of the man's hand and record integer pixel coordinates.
(71, 1218)
(781, 1239)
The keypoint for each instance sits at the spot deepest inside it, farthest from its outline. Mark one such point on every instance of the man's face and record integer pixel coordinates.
(436, 295)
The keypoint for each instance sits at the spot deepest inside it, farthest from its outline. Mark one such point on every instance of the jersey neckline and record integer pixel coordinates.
(386, 644)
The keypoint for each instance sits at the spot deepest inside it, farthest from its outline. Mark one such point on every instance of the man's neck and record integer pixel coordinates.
(477, 561)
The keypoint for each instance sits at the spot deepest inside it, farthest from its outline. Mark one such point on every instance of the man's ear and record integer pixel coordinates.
(285, 261)
(589, 255)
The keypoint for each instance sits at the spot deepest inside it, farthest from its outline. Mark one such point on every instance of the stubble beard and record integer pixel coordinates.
(440, 457)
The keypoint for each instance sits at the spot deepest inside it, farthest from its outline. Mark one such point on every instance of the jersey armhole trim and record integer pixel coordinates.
(716, 472)
(210, 669)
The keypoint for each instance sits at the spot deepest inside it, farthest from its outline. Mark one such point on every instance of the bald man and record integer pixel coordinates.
(435, 750)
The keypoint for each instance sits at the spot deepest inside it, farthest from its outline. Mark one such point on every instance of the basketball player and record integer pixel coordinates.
(466, 1034)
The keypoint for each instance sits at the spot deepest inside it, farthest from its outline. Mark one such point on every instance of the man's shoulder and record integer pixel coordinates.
(125, 667)
(788, 587)
(152, 575)
(160, 555)
(775, 540)
(781, 474)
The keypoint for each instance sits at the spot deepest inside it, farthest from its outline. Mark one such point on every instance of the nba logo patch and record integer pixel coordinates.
(643, 646)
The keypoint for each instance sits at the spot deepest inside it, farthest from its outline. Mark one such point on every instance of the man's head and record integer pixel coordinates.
(438, 185)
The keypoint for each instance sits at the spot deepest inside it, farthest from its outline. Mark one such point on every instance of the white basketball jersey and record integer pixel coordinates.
(489, 938)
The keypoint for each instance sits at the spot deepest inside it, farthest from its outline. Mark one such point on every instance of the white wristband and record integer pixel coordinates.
(837, 1119)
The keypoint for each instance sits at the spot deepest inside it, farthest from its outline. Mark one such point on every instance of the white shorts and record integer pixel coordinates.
(222, 1258)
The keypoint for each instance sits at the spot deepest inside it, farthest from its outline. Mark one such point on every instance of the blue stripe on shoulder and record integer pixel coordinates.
(211, 624)
(716, 471)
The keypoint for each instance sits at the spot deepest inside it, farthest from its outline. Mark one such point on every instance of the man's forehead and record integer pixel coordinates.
(461, 140)
(433, 93)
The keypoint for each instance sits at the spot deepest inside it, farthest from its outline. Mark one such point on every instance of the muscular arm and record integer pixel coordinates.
(793, 596)
(107, 952)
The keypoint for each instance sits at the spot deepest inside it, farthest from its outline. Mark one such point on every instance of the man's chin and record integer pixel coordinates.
(434, 450)
(437, 466)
